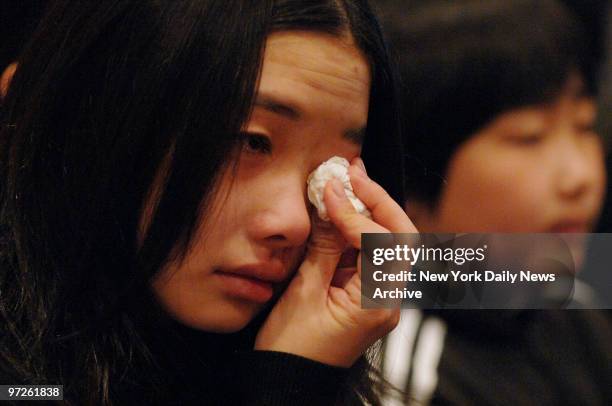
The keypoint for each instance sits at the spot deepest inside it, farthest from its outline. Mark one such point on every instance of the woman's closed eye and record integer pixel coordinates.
(256, 143)
(527, 138)
(585, 128)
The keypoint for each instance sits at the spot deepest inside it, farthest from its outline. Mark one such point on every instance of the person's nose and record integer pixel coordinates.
(577, 167)
(283, 216)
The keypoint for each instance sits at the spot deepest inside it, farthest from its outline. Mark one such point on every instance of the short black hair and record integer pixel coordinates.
(464, 62)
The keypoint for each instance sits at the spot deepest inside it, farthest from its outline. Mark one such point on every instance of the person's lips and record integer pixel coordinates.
(571, 226)
(253, 282)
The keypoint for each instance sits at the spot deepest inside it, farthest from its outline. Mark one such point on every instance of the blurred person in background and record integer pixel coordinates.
(499, 116)
(598, 15)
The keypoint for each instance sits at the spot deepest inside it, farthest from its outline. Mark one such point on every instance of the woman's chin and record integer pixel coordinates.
(228, 318)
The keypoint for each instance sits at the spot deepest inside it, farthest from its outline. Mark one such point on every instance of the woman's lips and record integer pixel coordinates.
(570, 227)
(245, 287)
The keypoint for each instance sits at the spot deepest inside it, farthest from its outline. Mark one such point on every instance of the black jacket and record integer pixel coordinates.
(493, 357)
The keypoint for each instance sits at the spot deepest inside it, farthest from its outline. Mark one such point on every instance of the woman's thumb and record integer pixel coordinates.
(325, 247)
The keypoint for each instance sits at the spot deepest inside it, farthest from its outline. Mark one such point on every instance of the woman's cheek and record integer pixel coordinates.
(523, 195)
(492, 194)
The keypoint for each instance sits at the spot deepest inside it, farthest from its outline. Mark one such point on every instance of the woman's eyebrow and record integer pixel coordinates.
(277, 106)
(292, 112)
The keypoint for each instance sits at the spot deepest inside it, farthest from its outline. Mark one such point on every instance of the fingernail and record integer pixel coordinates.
(337, 188)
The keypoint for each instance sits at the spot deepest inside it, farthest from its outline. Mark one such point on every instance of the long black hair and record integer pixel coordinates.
(18, 23)
(108, 95)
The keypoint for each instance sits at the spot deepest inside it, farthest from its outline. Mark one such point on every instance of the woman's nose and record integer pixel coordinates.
(578, 169)
(283, 217)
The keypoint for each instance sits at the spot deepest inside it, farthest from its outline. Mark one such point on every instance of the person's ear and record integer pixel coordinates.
(421, 214)
(5, 79)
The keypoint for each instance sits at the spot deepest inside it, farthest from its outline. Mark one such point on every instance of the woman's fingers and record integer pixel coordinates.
(328, 240)
(323, 253)
(327, 292)
(343, 215)
(385, 210)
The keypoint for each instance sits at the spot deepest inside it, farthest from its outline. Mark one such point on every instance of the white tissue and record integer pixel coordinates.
(335, 167)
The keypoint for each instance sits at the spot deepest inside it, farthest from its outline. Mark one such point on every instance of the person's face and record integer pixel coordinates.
(311, 104)
(533, 169)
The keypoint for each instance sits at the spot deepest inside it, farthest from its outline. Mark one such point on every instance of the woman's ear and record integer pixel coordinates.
(421, 214)
(5, 79)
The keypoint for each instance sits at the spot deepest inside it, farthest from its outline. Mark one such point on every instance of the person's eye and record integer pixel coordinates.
(585, 128)
(255, 143)
(528, 139)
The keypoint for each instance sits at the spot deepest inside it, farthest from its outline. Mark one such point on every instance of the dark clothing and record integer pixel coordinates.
(256, 378)
(241, 377)
(223, 369)
(559, 357)
(253, 378)
(494, 357)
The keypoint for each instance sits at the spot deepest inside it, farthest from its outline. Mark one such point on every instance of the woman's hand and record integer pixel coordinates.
(319, 316)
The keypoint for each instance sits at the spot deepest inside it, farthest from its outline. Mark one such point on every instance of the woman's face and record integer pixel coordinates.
(535, 169)
(311, 104)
